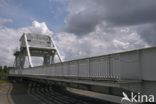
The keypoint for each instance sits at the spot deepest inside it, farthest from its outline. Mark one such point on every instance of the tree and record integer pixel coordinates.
(1, 69)
(5, 68)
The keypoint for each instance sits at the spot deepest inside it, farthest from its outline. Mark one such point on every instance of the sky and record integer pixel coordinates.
(80, 28)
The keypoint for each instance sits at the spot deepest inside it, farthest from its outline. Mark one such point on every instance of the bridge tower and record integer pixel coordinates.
(36, 45)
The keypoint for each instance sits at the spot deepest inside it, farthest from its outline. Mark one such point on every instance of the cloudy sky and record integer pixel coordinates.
(80, 28)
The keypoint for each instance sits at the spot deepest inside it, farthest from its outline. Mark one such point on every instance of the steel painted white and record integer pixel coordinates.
(132, 65)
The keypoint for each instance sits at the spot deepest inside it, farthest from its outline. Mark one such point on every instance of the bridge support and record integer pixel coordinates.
(35, 45)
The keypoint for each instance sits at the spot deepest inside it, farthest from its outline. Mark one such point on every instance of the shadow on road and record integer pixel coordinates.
(19, 95)
(34, 93)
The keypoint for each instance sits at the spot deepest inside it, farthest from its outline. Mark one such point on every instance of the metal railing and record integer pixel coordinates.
(96, 67)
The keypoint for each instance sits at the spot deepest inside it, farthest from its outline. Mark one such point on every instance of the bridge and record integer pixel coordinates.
(130, 71)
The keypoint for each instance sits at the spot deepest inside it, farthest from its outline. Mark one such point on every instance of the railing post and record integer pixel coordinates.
(109, 64)
(78, 68)
(89, 73)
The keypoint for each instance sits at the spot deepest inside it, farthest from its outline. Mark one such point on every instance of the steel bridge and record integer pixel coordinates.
(130, 71)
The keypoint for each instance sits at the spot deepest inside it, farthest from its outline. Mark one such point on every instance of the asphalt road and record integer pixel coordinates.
(42, 94)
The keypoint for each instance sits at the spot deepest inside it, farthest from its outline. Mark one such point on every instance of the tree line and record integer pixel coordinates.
(4, 70)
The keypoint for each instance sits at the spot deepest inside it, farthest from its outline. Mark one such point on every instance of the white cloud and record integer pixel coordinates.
(99, 42)
(10, 39)
(70, 46)
(39, 28)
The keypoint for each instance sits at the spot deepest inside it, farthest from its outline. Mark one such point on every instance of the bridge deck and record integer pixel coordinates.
(133, 71)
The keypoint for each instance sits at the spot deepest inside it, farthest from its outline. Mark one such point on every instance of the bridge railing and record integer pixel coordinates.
(102, 67)
(137, 64)
(97, 67)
